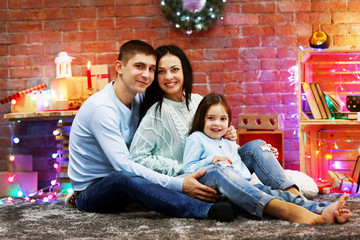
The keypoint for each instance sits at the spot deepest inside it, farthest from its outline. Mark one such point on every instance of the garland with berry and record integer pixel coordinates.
(199, 20)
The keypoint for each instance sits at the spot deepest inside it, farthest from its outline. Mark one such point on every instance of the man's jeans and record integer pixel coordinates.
(258, 158)
(115, 192)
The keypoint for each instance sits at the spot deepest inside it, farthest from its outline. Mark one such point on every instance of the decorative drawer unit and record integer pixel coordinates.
(329, 133)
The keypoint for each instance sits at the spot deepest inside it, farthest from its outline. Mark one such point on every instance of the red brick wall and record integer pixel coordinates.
(246, 55)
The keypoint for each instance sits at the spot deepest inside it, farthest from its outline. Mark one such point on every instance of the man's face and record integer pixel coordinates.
(138, 73)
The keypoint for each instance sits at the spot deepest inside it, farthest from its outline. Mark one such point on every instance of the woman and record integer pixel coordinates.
(160, 138)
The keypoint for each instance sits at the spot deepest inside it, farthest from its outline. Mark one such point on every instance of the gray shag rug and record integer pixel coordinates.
(53, 220)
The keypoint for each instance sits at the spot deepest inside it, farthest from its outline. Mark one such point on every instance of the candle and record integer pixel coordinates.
(89, 74)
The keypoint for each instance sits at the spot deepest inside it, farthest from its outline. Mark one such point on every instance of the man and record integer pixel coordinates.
(102, 173)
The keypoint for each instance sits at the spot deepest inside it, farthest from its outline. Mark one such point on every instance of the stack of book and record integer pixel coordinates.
(324, 105)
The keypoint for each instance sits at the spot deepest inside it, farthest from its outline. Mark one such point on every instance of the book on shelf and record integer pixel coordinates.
(311, 101)
(323, 100)
(318, 100)
(332, 102)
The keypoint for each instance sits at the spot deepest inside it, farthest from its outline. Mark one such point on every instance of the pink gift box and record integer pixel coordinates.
(341, 181)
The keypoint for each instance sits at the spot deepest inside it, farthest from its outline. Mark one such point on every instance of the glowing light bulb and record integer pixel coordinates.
(11, 179)
(56, 166)
(20, 193)
(54, 155)
(45, 199)
(328, 156)
(51, 197)
(60, 121)
(13, 101)
(56, 132)
(16, 140)
(1, 202)
(12, 158)
(53, 182)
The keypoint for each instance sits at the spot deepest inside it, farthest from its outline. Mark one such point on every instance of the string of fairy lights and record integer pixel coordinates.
(46, 194)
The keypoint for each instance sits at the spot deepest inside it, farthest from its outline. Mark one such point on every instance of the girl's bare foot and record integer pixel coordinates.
(335, 212)
(342, 215)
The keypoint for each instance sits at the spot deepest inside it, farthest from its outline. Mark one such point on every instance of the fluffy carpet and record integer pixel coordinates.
(23, 220)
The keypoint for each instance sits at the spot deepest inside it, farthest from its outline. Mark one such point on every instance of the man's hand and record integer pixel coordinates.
(194, 189)
(231, 133)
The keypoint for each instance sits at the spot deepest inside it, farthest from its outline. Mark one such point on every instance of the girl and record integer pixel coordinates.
(225, 171)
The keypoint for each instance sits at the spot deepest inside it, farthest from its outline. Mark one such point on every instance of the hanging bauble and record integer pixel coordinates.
(319, 39)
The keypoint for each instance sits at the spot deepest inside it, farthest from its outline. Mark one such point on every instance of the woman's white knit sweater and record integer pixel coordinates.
(160, 138)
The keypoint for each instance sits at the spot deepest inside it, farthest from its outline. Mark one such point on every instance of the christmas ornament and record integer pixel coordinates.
(319, 39)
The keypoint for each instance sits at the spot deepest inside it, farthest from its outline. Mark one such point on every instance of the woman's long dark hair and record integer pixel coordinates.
(154, 93)
(198, 122)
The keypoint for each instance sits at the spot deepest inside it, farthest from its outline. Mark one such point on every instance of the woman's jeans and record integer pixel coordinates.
(258, 158)
(115, 192)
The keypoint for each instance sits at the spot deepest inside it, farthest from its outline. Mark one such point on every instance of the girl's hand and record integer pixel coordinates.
(222, 160)
(231, 133)
(274, 150)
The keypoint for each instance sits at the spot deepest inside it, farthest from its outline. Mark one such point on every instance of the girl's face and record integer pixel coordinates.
(170, 77)
(216, 121)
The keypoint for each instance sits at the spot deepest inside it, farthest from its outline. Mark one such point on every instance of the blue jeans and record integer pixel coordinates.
(253, 198)
(116, 191)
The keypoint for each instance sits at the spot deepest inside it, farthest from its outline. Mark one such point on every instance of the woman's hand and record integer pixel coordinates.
(222, 160)
(194, 189)
(231, 133)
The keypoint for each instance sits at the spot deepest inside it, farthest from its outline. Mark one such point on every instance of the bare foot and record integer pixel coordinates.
(293, 213)
(342, 215)
(335, 212)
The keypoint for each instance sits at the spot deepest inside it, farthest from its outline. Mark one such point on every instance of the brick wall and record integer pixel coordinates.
(246, 55)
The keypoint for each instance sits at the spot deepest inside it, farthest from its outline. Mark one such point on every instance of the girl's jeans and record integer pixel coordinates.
(258, 158)
(119, 189)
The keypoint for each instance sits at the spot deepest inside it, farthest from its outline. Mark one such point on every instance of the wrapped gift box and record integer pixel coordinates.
(324, 186)
(341, 181)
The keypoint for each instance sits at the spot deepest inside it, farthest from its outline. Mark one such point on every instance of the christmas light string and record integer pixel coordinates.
(330, 145)
(46, 194)
(294, 82)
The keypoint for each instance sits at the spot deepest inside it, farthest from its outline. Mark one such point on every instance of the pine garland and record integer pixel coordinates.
(199, 20)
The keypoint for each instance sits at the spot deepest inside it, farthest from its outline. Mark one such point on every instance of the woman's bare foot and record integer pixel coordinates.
(335, 212)
(293, 213)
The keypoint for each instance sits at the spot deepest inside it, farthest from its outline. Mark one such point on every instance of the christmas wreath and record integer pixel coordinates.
(198, 20)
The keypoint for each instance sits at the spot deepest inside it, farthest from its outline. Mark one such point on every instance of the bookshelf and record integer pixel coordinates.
(328, 143)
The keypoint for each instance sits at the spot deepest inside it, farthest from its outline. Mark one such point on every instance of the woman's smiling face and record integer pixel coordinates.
(171, 77)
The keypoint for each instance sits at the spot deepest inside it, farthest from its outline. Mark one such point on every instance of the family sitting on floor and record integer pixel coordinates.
(156, 143)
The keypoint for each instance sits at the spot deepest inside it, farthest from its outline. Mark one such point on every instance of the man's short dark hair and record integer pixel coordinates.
(133, 47)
